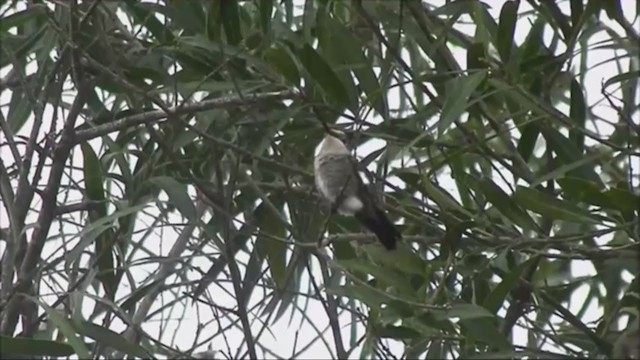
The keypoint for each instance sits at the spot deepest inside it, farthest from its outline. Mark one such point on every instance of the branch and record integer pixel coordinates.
(330, 306)
(164, 271)
(46, 214)
(155, 115)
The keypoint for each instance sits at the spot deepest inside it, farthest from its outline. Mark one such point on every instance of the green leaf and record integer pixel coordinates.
(266, 10)
(36, 347)
(486, 331)
(459, 90)
(20, 108)
(551, 207)
(144, 14)
(349, 52)
(581, 190)
(177, 193)
(506, 29)
(528, 140)
(366, 294)
(111, 339)
(404, 259)
(465, 312)
(252, 273)
(577, 10)
(66, 328)
(497, 297)
(105, 241)
(624, 77)
(230, 21)
(93, 180)
(19, 48)
(20, 18)
(187, 15)
(397, 332)
(568, 153)
(324, 76)
(282, 61)
(578, 114)
(386, 277)
(503, 202)
(271, 239)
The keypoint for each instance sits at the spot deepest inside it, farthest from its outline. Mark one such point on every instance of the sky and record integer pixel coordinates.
(179, 326)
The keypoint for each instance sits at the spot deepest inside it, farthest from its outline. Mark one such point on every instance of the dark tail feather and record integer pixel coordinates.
(378, 223)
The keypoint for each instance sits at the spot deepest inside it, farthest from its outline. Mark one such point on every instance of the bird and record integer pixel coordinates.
(338, 181)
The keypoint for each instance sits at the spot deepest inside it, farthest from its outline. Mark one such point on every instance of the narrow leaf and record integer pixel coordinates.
(506, 29)
(230, 21)
(36, 347)
(578, 114)
(177, 193)
(551, 207)
(111, 339)
(322, 74)
(459, 90)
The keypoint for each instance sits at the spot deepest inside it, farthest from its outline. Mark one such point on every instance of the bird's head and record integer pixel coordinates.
(334, 143)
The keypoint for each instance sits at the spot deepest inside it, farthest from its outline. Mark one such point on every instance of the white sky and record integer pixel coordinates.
(180, 326)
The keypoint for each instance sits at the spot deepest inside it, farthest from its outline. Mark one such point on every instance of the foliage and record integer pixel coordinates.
(157, 191)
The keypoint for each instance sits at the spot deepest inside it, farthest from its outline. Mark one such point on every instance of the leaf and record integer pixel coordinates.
(497, 297)
(271, 239)
(282, 61)
(385, 277)
(21, 18)
(230, 21)
(459, 90)
(580, 190)
(322, 74)
(145, 14)
(111, 339)
(105, 240)
(350, 53)
(624, 77)
(465, 312)
(266, 10)
(403, 259)
(576, 14)
(20, 108)
(397, 332)
(366, 294)
(486, 331)
(252, 273)
(186, 15)
(177, 193)
(506, 29)
(36, 347)
(578, 114)
(551, 207)
(568, 153)
(527, 142)
(66, 328)
(503, 202)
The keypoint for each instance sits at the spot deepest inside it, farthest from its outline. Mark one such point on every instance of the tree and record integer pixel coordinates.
(157, 190)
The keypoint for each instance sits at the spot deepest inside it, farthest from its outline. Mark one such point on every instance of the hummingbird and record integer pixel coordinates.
(338, 181)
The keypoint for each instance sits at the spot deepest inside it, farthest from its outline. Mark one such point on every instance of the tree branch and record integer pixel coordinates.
(155, 115)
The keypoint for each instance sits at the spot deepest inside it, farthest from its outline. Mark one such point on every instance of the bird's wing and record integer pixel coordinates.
(336, 176)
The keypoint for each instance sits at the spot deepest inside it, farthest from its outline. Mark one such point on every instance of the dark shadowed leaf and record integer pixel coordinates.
(459, 90)
(323, 75)
(506, 29)
(177, 193)
(26, 346)
(550, 206)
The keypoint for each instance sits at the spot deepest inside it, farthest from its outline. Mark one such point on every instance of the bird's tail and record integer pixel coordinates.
(374, 219)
